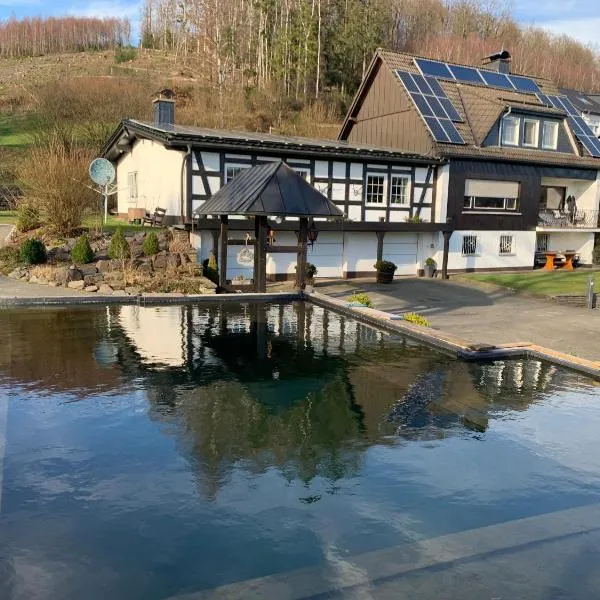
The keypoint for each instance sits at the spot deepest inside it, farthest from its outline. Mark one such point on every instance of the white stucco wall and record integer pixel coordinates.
(441, 195)
(360, 251)
(587, 193)
(581, 242)
(488, 255)
(159, 178)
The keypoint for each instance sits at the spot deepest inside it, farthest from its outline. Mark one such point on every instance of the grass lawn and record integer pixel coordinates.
(541, 283)
(8, 217)
(16, 130)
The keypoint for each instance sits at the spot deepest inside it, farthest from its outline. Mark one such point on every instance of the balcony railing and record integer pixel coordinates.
(580, 219)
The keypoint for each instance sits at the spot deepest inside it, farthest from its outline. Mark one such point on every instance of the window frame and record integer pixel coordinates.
(234, 165)
(502, 249)
(515, 140)
(472, 204)
(383, 202)
(304, 172)
(536, 124)
(464, 239)
(133, 185)
(538, 238)
(556, 126)
(406, 188)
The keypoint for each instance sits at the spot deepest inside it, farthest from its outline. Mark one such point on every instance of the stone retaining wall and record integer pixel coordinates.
(573, 300)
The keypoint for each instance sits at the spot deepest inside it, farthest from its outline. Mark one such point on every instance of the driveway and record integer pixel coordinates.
(5, 232)
(498, 317)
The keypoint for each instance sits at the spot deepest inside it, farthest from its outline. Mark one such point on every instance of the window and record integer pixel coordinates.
(531, 130)
(550, 135)
(541, 242)
(553, 197)
(232, 170)
(399, 190)
(510, 131)
(492, 195)
(505, 244)
(469, 245)
(304, 172)
(375, 192)
(132, 184)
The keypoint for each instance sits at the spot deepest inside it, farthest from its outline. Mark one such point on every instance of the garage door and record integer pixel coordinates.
(401, 249)
(326, 254)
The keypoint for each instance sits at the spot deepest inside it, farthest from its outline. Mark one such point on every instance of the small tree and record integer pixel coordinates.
(82, 252)
(33, 252)
(119, 248)
(151, 245)
(28, 217)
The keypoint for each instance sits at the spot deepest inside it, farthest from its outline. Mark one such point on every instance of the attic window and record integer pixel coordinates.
(510, 131)
(550, 135)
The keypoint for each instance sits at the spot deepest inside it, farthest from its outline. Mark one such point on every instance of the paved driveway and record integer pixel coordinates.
(4, 232)
(498, 317)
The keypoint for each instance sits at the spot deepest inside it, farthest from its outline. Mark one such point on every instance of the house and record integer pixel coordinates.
(521, 165)
(588, 106)
(433, 159)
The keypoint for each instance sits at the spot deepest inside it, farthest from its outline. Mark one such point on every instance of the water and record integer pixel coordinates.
(153, 452)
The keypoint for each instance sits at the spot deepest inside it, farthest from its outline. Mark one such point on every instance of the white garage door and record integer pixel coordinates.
(401, 249)
(326, 254)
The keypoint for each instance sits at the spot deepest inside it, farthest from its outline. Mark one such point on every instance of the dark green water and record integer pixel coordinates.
(153, 452)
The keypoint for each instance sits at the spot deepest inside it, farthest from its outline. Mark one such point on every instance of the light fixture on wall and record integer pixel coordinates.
(313, 234)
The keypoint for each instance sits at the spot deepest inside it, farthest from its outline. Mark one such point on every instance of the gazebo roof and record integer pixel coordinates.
(272, 189)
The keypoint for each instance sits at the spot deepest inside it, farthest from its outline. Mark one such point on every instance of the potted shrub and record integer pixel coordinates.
(385, 271)
(310, 271)
(430, 267)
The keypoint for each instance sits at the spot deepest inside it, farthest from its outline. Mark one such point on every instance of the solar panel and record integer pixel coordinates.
(433, 105)
(544, 99)
(524, 84)
(578, 126)
(466, 74)
(496, 79)
(433, 68)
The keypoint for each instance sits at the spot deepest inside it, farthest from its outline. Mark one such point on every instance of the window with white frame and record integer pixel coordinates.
(231, 170)
(550, 135)
(541, 242)
(132, 186)
(375, 190)
(510, 131)
(492, 195)
(304, 172)
(531, 129)
(469, 245)
(505, 244)
(399, 189)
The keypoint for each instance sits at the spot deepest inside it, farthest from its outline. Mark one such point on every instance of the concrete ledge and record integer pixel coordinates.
(462, 348)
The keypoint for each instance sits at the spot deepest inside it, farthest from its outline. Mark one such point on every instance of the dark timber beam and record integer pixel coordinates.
(260, 254)
(223, 251)
(380, 236)
(215, 248)
(447, 236)
(301, 254)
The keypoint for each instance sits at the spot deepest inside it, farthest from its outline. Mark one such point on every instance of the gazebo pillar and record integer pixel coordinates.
(301, 254)
(260, 254)
(223, 250)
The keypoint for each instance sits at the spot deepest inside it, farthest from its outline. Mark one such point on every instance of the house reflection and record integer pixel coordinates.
(305, 390)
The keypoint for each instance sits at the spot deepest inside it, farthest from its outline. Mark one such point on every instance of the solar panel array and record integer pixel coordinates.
(578, 126)
(437, 110)
(515, 83)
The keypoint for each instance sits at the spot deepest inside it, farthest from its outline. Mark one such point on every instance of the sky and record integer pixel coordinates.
(577, 18)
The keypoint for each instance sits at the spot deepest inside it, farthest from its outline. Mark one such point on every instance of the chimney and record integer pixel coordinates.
(164, 108)
(500, 61)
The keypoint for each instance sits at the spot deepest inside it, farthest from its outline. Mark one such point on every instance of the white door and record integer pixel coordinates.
(326, 254)
(401, 249)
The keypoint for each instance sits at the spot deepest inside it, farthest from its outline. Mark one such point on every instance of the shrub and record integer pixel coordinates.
(82, 252)
(385, 266)
(362, 298)
(125, 54)
(10, 259)
(28, 217)
(310, 270)
(210, 272)
(430, 262)
(33, 252)
(414, 219)
(151, 245)
(416, 319)
(118, 248)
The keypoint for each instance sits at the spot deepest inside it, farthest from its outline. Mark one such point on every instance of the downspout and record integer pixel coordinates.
(183, 181)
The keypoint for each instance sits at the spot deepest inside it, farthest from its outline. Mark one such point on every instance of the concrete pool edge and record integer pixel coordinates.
(460, 347)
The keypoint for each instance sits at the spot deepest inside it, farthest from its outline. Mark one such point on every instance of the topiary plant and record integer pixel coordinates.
(82, 252)
(385, 266)
(119, 248)
(33, 252)
(28, 217)
(151, 245)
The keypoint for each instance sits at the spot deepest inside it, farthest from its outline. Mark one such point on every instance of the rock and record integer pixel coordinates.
(33, 279)
(88, 270)
(184, 258)
(15, 274)
(105, 290)
(119, 293)
(60, 275)
(53, 284)
(192, 256)
(42, 281)
(173, 261)
(73, 274)
(139, 237)
(93, 279)
(105, 266)
(76, 285)
(91, 288)
(145, 267)
(59, 254)
(132, 291)
(136, 251)
(160, 261)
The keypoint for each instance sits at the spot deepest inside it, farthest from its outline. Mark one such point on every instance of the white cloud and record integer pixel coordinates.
(584, 30)
(108, 8)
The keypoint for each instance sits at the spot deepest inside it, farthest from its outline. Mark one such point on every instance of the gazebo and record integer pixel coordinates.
(270, 190)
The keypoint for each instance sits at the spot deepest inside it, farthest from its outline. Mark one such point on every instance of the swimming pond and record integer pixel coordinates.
(283, 450)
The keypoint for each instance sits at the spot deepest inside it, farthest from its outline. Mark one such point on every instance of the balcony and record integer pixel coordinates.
(580, 219)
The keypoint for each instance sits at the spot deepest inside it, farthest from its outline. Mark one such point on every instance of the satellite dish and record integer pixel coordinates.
(102, 172)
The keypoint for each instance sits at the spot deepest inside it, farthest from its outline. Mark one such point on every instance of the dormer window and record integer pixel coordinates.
(510, 131)
(550, 135)
(531, 129)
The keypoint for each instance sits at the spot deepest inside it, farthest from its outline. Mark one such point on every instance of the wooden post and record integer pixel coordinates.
(260, 260)
(380, 236)
(223, 250)
(301, 254)
(215, 248)
(447, 236)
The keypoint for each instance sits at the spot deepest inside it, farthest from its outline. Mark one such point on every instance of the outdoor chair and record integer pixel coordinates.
(155, 220)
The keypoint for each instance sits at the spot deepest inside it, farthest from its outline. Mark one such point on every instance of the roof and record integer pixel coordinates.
(272, 189)
(181, 135)
(587, 103)
(479, 107)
